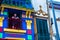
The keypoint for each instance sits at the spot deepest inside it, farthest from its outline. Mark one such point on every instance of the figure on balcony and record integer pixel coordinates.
(15, 17)
(15, 22)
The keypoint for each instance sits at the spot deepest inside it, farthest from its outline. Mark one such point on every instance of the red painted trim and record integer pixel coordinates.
(29, 31)
(1, 29)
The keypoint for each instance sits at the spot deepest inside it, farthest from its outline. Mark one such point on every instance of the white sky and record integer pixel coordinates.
(36, 4)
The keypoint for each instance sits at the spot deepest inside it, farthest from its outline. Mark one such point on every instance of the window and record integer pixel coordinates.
(17, 3)
(14, 19)
(20, 3)
(9, 2)
(14, 3)
(6, 1)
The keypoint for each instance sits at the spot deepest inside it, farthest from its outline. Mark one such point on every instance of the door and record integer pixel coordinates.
(42, 29)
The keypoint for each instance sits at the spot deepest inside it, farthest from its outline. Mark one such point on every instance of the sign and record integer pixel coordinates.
(18, 3)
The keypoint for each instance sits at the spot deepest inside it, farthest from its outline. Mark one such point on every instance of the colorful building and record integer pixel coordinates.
(16, 20)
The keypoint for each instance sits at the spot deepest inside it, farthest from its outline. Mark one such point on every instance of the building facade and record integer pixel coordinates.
(16, 20)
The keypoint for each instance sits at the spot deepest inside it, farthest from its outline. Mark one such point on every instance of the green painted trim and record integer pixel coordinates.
(1, 35)
(29, 36)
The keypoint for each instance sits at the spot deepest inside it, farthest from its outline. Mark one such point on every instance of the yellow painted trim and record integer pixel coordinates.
(15, 7)
(15, 38)
(2, 10)
(28, 13)
(1, 18)
(28, 22)
(35, 27)
(14, 30)
(1, 21)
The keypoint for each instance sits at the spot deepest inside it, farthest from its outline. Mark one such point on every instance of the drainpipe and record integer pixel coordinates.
(57, 33)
